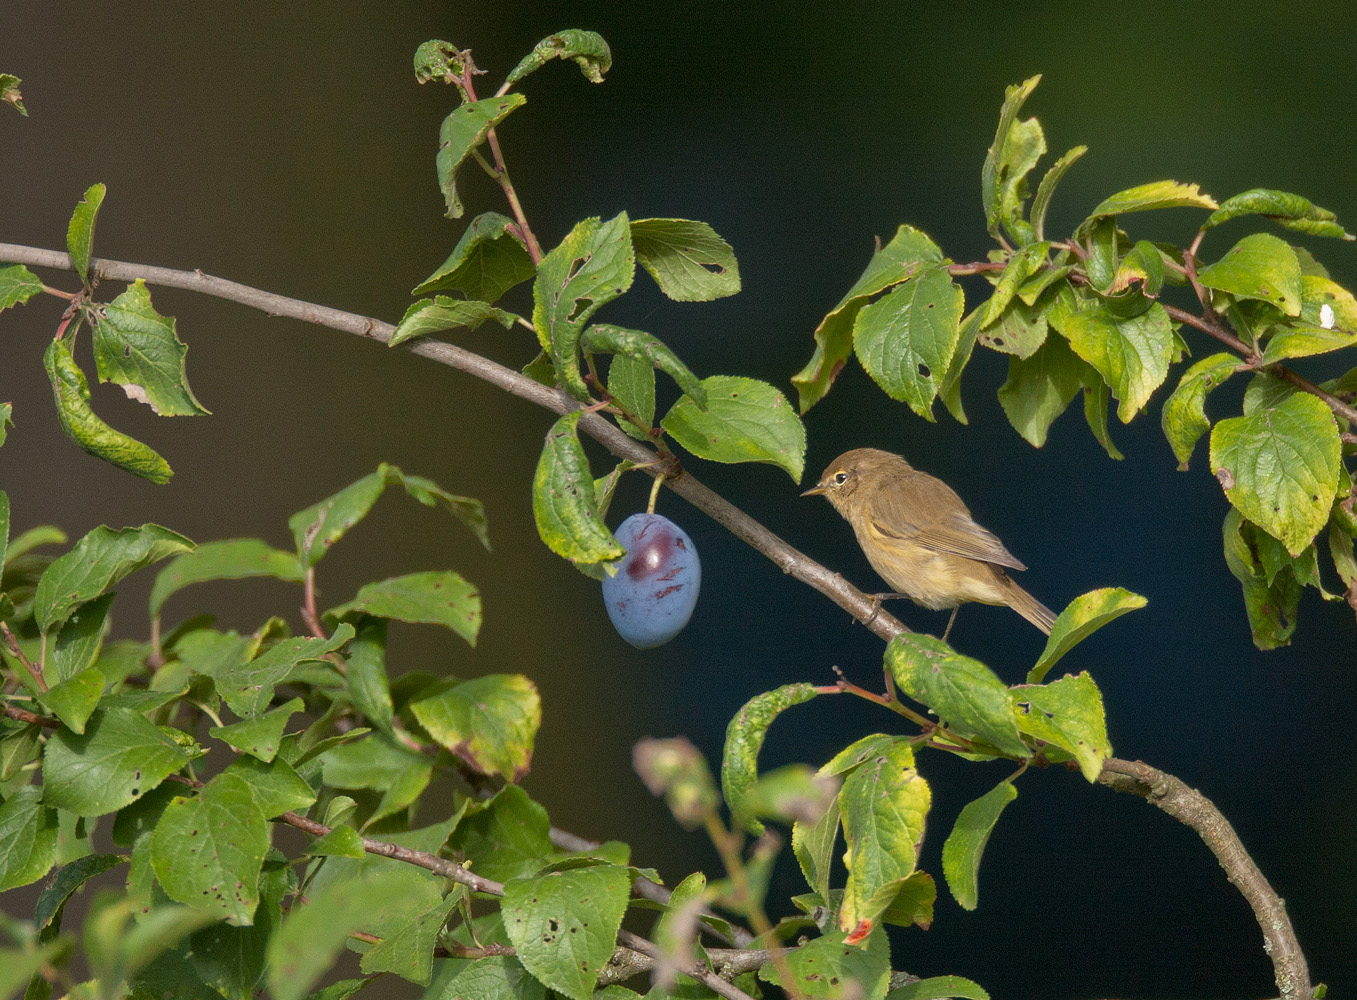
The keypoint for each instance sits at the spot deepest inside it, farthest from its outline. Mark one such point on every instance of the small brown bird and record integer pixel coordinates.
(920, 538)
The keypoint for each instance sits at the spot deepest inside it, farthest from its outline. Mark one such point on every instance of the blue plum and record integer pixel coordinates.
(653, 593)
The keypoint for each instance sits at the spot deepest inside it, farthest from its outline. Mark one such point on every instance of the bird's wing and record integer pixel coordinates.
(895, 513)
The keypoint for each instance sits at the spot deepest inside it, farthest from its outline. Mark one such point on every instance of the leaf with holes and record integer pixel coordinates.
(563, 501)
(137, 348)
(490, 722)
(1069, 714)
(1259, 266)
(906, 339)
(1279, 467)
(207, 851)
(745, 421)
(461, 132)
(687, 259)
(587, 48)
(120, 757)
(592, 266)
(884, 804)
(827, 968)
(564, 925)
(903, 257)
(965, 693)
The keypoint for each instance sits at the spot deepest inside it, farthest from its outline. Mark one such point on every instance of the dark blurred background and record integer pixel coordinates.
(287, 146)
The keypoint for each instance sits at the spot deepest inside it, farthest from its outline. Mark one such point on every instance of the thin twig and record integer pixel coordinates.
(18, 654)
(23, 715)
(1191, 807)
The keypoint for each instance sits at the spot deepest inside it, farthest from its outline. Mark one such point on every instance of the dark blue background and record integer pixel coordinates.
(287, 146)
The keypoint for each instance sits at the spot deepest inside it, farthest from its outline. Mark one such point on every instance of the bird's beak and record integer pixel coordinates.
(816, 491)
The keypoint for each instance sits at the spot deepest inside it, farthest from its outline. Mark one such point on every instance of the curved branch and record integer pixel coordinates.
(1168, 793)
(740, 524)
(1192, 808)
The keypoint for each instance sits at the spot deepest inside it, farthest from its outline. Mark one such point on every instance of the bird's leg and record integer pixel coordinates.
(876, 605)
(950, 621)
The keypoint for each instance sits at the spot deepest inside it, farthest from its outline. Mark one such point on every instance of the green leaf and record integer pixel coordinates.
(906, 339)
(790, 793)
(563, 501)
(342, 841)
(461, 132)
(677, 770)
(96, 562)
(1303, 342)
(913, 904)
(17, 285)
(1270, 605)
(368, 687)
(813, 844)
(28, 838)
(964, 692)
(827, 968)
(1279, 467)
(1132, 354)
(83, 426)
(592, 266)
(1021, 330)
(504, 837)
(1096, 395)
(1042, 200)
(438, 60)
(502, 977)
(375, 762)
(80, 638)
(80, 232)
(1184, 417)
(1069, 714)
(207, 851)
(1081, 618)
(903, 257)
(1039, 388)
(248, 687)
(489, 722)
(1142, 264)
(1157, 194)
(949, 390)
(687, 259)
(644, 347)
(6, 421)
(119, 758)
(1021, 266)
(744, 739)
(261, 736)
(745, 421)
(436, 597)
(137, 348)
(9, 93)
(408, 939)
(488, 260)
(231, 959)
(1260, 267)
(631, 383)
(939, 988)
(1289, 210)
(966, 843)
(587, 48)
(884, 804)
(443, 313)
(67, 880)
(564, 925)
(17, 748)
(313, 935)
(74, 699)
(321, 525)
(275, 788)
(1017, 147)
(230, 559)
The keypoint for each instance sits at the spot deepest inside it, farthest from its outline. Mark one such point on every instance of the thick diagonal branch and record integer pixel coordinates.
(1191, 807)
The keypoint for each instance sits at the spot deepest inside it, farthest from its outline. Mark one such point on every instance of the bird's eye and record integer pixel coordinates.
(840, 478)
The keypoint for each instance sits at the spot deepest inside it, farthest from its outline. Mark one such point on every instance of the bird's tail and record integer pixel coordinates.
(1028, 606)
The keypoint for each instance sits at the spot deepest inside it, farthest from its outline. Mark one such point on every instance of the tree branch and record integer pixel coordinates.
(744, 527)
(1168, 793)
(1191, 807)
